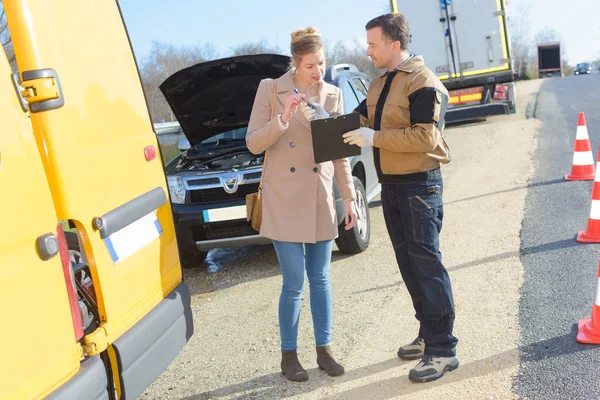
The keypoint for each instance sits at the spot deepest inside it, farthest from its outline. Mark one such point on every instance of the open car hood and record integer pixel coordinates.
(217, 96)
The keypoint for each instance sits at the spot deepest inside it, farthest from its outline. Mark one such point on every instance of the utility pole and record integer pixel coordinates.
(394, 6)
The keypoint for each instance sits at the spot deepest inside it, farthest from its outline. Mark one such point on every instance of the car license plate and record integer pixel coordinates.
(224, 214)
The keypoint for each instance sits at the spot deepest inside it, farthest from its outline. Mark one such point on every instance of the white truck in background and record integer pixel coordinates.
(466, 43)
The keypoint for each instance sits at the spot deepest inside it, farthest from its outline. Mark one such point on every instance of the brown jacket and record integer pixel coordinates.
(408, 132)
(298, 198)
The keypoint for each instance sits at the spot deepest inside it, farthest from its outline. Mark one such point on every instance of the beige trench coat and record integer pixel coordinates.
(298, 198)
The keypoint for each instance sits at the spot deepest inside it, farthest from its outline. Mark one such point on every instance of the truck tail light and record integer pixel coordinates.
(63, 250)
(463, 96)
(500, 92)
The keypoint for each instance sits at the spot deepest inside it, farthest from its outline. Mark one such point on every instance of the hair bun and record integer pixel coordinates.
(304, 33)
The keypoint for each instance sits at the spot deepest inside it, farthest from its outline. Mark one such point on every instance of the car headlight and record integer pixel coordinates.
(176, 189)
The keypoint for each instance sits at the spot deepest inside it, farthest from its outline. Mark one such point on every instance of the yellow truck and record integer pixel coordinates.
(98, 311)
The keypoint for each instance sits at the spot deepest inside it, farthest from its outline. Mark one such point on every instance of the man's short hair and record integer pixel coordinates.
(394, 27)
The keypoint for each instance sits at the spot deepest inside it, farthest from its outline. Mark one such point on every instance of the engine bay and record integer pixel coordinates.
(213, 161)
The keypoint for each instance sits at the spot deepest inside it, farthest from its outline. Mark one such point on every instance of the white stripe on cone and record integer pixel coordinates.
(582, 133)
(583, 158)
(598, 293)
(595, 211)
(597, 176)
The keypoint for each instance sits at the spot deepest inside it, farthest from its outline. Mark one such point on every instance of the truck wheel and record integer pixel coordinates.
(356, 240)
(192, 260)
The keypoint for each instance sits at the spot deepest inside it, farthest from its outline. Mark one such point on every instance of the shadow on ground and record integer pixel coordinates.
(274, 385)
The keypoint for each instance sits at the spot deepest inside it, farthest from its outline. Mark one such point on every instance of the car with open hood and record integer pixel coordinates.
(210, 179)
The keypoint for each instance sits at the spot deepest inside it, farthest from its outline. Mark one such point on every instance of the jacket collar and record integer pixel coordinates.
(409, 66)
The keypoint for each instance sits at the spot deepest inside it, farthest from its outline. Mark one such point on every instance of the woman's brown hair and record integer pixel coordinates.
(305, 41)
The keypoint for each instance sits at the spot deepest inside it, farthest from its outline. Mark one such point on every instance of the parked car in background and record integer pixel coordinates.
(582, 68)
(210, 179)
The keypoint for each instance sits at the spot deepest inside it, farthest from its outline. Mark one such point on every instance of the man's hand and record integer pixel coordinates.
(311, 114)
(362, 137)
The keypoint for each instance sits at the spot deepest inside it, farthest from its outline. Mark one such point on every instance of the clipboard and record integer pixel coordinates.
(328, 143)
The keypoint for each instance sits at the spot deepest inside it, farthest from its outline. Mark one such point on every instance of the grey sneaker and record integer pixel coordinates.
(432, 368)
(413, 350)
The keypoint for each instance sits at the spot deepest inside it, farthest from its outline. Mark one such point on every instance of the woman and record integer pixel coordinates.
(298, 201)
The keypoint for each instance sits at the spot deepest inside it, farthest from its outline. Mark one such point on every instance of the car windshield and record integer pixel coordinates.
(584, 65)
(234, 135)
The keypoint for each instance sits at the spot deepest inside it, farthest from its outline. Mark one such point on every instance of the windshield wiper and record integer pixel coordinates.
(196, 154)
(228, 140)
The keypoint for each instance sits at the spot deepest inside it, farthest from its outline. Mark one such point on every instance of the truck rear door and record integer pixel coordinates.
(38, 337)
(459, 37)
(105, 173)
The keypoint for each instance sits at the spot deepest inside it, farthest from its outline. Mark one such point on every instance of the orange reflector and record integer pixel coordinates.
(470, 97)
(462, 96)
(150, 153)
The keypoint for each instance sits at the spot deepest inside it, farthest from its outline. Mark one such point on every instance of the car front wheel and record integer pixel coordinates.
(356, 240)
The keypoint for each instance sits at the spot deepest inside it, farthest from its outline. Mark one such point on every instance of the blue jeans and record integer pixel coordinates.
(413, 212)
(293, 262)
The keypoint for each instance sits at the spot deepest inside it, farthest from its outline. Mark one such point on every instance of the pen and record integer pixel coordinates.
(307, 103)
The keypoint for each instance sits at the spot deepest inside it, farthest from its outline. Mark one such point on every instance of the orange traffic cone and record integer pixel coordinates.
(589, 329)
(583, 160)
(592, 232)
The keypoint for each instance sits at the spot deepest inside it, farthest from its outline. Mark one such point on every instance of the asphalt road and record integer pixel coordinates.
(560, 274)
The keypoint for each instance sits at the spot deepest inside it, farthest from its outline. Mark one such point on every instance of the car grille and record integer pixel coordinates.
(223, 230)
(219, 194)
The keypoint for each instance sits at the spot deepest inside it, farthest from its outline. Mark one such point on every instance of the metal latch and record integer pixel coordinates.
(40, 89)
(96, 342)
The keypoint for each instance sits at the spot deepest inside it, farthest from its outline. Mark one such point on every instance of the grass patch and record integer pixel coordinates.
(169, 152)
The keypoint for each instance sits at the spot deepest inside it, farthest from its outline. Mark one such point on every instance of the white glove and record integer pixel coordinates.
(362, 137)
(311, 114)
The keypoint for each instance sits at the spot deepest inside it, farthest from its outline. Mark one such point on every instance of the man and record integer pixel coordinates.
(405, 108)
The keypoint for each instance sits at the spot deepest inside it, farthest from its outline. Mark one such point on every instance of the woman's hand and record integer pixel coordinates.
(349, 214)
(316, 112)
(291, 106)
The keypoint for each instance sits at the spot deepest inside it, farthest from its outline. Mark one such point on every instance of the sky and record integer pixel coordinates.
(226, 24)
